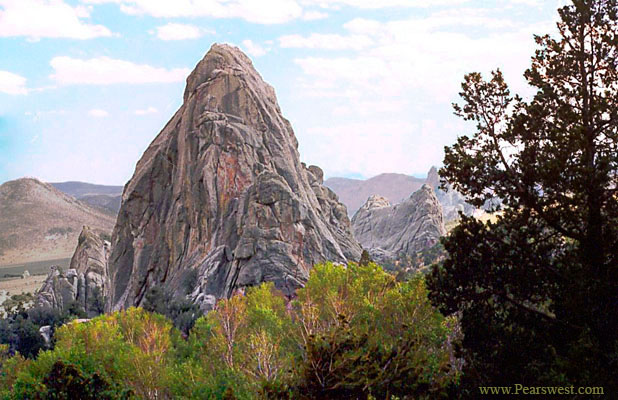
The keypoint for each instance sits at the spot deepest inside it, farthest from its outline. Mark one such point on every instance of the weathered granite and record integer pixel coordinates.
(451, 200)
(391, 232)
(85, 282)
(221, 194)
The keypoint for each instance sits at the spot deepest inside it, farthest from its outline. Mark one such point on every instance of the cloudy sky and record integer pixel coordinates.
(85, 85)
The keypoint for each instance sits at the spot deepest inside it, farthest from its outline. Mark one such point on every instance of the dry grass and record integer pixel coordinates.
(18, 285)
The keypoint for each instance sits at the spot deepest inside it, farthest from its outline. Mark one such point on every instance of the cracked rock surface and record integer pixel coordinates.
(86, 280)
(220, 200)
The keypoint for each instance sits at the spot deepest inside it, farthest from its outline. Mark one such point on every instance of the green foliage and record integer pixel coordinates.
(18, 303)
(353, 331)
(365, 258)
(66, 381)
(366, 334)
(537, 289)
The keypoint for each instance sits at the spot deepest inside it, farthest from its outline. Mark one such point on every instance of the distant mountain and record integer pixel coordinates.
(355, 192)
(104, 196)
(396, 188)
(39, 222)
(81, 189)
(104, 201)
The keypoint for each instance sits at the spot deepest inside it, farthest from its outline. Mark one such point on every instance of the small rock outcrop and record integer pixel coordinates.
(220, 199)
(85, 282)
(392, 232)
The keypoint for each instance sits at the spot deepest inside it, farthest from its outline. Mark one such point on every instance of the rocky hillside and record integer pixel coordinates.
(354, 192)
(102, 196)
(395, 232)
(38, 222)
(220, 199)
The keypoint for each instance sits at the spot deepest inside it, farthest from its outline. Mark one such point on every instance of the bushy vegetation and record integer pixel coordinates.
(352, 332)
(20, 329)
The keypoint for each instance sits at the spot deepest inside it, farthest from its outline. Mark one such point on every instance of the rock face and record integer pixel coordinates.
(86, 280)
(390, 232)
(220, 199)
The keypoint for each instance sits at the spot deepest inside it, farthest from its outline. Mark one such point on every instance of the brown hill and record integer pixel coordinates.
(38, 222)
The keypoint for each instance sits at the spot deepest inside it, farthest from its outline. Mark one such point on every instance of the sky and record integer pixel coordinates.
(86, 85)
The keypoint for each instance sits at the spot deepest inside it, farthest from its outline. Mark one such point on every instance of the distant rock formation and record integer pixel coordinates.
(354, 192)
(396, 188)
(392, 232)
(220, 199)
(85, 282)
(451, 200)
(433, 178)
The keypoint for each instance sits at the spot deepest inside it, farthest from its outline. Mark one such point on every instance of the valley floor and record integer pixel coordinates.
(12, 282)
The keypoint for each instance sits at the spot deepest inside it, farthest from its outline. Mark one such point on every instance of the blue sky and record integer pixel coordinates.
(85, 85)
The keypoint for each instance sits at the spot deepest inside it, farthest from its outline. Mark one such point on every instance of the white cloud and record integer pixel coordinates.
(375, 4)
(98, 113)
(387, 101)
(314, 15)
(106, 71)
(253, 48)
(37, 19)
(261, 12)
(373, 147)
(11, 83)
(325, 41)
(531, 3)
(428, 55)
(149, 110)
(173, 31)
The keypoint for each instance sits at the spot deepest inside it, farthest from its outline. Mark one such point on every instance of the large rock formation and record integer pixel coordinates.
(85, 282)
(221, 195)
(393, 232)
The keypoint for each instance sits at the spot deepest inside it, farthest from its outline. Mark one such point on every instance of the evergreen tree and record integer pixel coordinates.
(537, 290)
